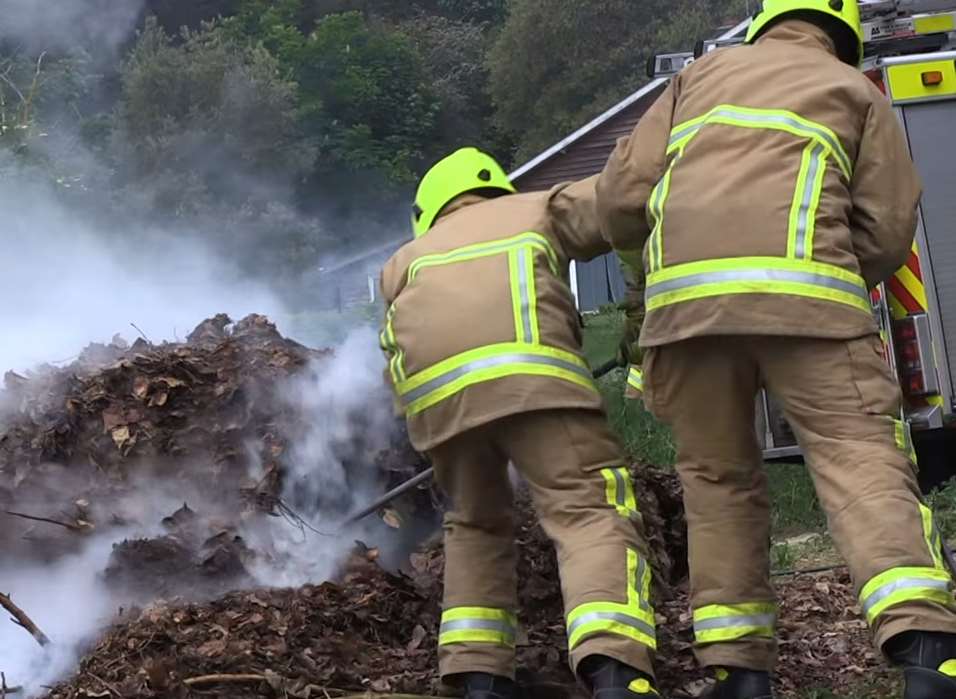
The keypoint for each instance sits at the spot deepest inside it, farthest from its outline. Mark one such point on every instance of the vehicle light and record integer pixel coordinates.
(931, 78)
(906, 330)
(909, 352)
(915, 385)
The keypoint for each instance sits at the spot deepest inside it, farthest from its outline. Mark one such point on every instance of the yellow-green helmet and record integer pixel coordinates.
(847, 12)
(465, 170)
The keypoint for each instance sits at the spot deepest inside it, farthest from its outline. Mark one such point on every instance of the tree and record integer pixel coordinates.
(558, 63)
(199, 120)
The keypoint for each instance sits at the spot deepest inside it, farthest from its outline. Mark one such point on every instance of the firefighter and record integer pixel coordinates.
(484, 356)
(766, 192)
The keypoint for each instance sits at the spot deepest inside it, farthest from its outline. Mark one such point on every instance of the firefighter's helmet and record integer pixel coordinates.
(465, 170)
(846, 12)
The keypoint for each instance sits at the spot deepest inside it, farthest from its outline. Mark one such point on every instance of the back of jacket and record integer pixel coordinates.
(481, 321)
(766, 192)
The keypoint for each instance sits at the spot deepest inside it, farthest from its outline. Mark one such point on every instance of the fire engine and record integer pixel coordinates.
(910, 52)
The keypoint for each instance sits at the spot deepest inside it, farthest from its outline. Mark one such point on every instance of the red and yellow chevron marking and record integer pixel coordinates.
(906, 292)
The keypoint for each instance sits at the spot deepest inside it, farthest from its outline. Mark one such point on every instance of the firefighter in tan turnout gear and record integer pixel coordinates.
(768, 190)
(484, 351)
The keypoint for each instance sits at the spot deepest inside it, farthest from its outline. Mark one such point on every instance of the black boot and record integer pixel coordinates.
(929, 663)
(481, 685)
(612, 679)
(737, 683)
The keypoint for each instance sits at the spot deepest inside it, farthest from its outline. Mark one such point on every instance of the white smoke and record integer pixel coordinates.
(333, 470)
(65, 283)
(67, 602)
(56, 24)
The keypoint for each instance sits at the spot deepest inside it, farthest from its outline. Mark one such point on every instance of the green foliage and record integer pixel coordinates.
(795, 508)
(943, 503)
(558, 63)
(199, 115)
(365, 93)
(643, 437)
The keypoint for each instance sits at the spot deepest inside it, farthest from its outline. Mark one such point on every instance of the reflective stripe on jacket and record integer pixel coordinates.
(481, 322)
(765, 192)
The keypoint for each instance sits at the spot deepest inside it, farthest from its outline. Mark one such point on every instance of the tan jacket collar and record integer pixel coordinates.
(458, 203)
(795, 31)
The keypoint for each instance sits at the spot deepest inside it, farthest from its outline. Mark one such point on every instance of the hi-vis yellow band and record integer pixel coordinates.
(718, 623)
(902, 585)
(756, 275)
(633, 620)
(478, 625)
(635, 378)
(822, 145)
(445, 379)
(619, 490)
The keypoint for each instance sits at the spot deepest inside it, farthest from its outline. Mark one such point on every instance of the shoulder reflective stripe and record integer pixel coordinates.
(436, 383)
(931, 535)
(717, 623)
(526, 294)
(635, 379)
(657, 203)
(755, 276)
(806, 201)
(778, 119)
(478, 250)
(388, 341)
(901, 585)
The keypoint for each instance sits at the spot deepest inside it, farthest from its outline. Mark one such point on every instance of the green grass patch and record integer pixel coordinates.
(794, 504)
(645, 439)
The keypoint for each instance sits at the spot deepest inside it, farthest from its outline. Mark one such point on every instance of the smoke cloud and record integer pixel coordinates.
(104, 24)
(65, 283)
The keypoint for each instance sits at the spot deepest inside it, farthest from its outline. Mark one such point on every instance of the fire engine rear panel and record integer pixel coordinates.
(930, 127)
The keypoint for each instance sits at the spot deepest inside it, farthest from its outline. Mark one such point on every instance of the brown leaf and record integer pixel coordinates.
(418, 635)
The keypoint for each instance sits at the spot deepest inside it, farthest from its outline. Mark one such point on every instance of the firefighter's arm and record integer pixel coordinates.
(572, 213)
(885, 190)
(634, 168)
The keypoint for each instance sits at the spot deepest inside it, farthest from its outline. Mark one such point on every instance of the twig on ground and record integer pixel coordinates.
(807, 571)
(68, 525)
(110, 687)
(223, 679)
(21, 619)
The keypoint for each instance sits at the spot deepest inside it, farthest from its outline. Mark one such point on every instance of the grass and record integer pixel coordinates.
(644, 438)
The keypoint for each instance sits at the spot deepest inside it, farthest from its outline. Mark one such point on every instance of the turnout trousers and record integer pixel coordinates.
(843, 404)
(584, 497)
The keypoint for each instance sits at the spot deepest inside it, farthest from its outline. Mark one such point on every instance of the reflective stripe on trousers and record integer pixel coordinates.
(905, 585)
(756, 275)
(619, 490)
(478, 625)
(633, 620)
(435, 384)
(635, 379)
(718, 623)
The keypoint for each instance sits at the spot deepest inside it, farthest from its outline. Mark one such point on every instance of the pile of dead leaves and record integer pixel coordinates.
(376, 631)
(84, 448)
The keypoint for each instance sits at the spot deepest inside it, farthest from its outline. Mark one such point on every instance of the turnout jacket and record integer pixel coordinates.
(767, 191)
(481, 321)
